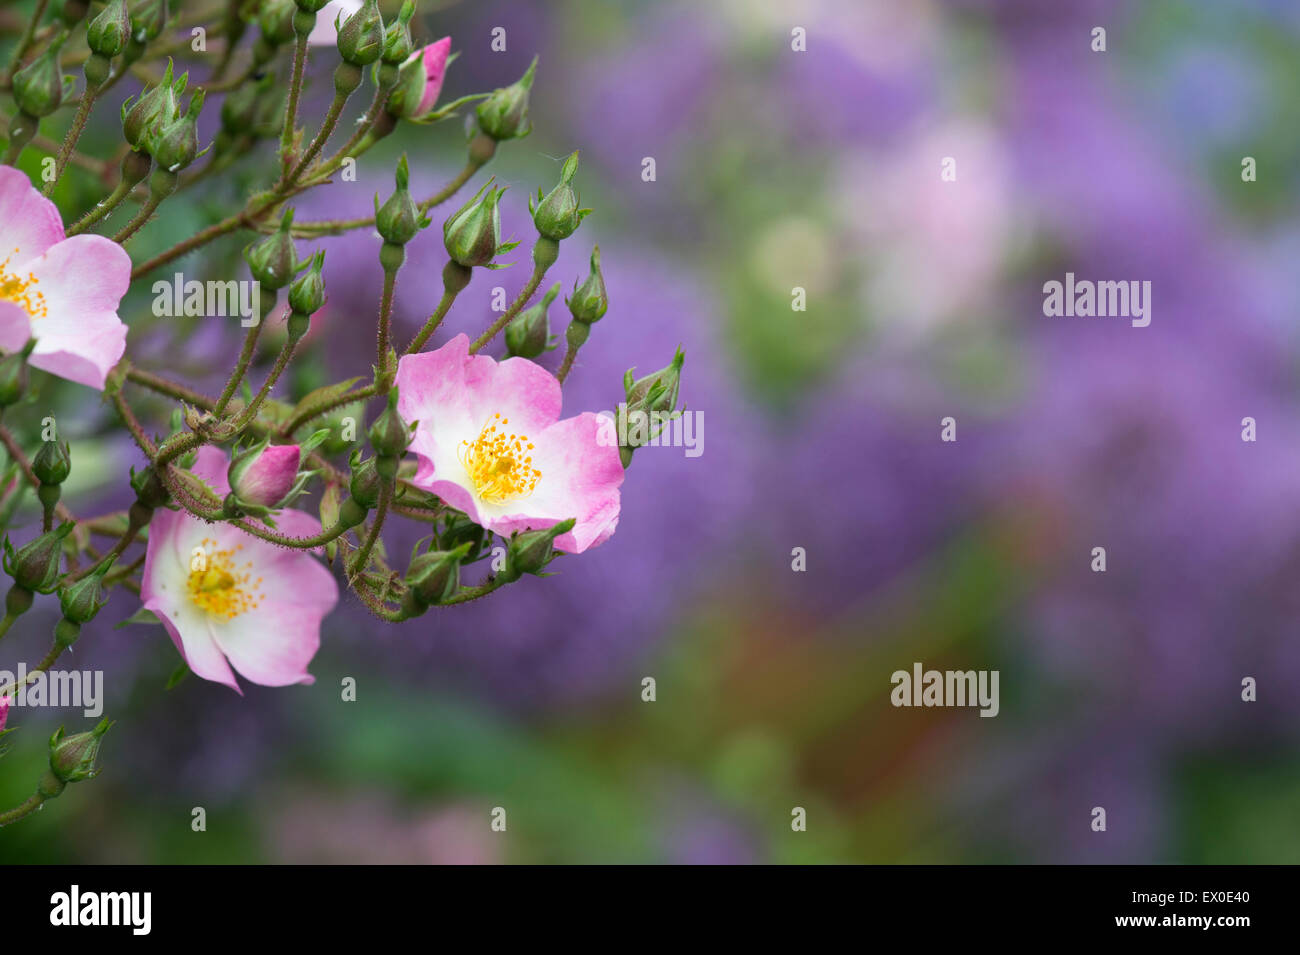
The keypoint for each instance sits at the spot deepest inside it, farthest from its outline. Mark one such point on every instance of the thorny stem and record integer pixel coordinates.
(281, 363)
(259, 206)
(324, 407)
(381, 511)
(74, 133)
(383, 373)
(46, 662)
(211, 511)
(24, 809)
(241, 367)
(101, 209)
(434, 320)
(539, 273)
(162, 185)
(570, 353)
(346, 79)
(133, 425)
(291, 111)
(169, 388)
(338, 226)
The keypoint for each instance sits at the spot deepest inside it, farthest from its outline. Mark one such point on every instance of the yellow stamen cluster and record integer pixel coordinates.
(498, 463)
(220, 587)
(14, 288)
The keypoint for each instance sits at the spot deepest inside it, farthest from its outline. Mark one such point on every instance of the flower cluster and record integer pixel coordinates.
(220, 546)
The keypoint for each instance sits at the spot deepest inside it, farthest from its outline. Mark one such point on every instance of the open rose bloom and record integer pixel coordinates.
(64, 292)
(230, 600)
(490, 442)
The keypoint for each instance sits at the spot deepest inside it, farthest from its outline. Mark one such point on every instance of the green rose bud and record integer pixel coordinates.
(153, 109)
(176, 144)
(148, 20)
(557, 216)
(397, 38)
(38, 87)
(590, 301)
(150, 491)
(473, 234)
(276, 21)
(364, 482)
(529, 334)
(432, 578)
(72, 758)
(656, 392)
(389, 436)
(361, 38)
(52, 463)
(80, 602)
(109, 32)
(399, 219)
(307, 294)
(274, 259)
(35, 565)
(504, 114)
(531, 551)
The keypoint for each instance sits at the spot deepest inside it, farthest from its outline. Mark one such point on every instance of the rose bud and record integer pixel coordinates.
(529, 333)
(504, 114)
(72, 758)
(473, 235)
(590, 301)
(530, 551)
(557, 216)
(419, 82)
(263, 476)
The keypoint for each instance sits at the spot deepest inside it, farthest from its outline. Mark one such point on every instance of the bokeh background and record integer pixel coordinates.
(817, 169)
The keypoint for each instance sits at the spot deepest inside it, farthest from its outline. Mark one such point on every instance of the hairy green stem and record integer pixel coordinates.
(161, 185)
(291, 111)
(241, 367)
(539, 273)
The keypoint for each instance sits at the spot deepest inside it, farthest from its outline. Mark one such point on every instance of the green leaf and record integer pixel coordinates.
(325, 395)
(140, 616)
(179, 674)
(329, 516)
(312, 443)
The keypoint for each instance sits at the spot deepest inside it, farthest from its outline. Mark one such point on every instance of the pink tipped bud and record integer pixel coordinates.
(435, 69)
(264, 475)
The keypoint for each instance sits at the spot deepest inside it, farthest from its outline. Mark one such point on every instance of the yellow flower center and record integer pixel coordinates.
(498, 463)
(21, 291)
(217, 585)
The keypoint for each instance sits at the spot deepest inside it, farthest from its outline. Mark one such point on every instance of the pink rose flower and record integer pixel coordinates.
(64, 292)
(264, 478)
(490, 442)
(435, 71)
(4, 711)
(230, 599)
